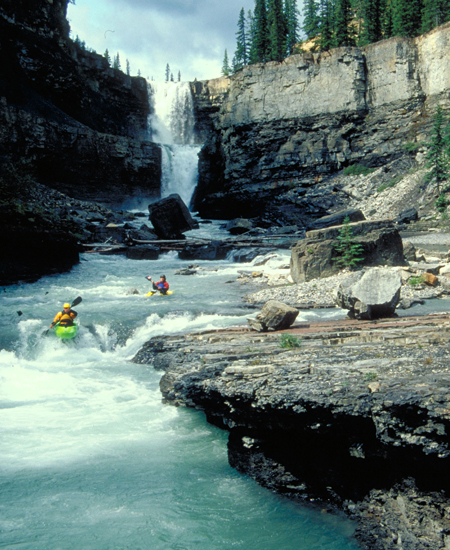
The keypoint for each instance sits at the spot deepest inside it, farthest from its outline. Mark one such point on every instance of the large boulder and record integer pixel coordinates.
(315, 256)
(171, 218)
(371, 294)
(275, 316)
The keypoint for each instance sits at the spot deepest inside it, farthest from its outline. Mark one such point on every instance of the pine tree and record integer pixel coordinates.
(139, 72)
(128, 68)
(311, 19)
(342, 18)
(241, 40)
(171, 77)
(107, 57)
(179, 76)
(277, 31)
(167, 72)
(226, 65)
(291, 16)
(261, 38)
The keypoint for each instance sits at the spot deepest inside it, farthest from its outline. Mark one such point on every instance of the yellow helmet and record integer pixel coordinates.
(66, 305)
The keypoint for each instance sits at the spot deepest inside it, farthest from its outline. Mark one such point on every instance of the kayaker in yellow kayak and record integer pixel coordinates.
(162, 285)
(65, 317)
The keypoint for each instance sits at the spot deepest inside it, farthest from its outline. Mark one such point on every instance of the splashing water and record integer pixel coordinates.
(91, 458)
(172, 126)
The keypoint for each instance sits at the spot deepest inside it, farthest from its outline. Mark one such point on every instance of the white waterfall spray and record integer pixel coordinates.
(172, 125)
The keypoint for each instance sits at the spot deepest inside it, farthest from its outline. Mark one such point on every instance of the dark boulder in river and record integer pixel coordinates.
(171, 218)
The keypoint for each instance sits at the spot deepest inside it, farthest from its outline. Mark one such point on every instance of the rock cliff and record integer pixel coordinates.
(81, 123)
(284, 127)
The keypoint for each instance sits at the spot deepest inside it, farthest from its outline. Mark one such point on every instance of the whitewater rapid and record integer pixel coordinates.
(91, 458)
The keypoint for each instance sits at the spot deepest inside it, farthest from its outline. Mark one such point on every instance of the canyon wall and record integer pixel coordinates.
(82, 124)
(285, 126)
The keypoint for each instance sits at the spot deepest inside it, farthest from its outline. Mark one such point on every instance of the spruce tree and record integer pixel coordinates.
(406, 17)
(372, 26)
(387, 26)
(438, 148)
(291, 16)
(241, 39)
(179, 76)
(167, 72)
(277, 31)
(435, 13)
(251, 38)
(311, 19)
(226, 65)
(107, 57)
(128, 68)
(326, 29)
(261, 38)
(116, 62)
(342, 18)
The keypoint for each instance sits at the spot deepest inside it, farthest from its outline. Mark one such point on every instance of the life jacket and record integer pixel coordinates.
(162, 286)
(65, 319)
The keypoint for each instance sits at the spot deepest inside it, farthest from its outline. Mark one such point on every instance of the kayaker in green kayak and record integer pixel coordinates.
(65, 317)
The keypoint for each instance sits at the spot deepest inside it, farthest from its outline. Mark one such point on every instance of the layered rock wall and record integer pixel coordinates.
(286, 126)
(81, 123)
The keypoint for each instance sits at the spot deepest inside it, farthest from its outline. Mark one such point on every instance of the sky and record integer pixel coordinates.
(189, 35)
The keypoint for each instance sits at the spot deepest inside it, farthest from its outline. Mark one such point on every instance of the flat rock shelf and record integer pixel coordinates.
(355, 414)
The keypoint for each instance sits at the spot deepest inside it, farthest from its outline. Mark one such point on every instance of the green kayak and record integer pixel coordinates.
(66, 333)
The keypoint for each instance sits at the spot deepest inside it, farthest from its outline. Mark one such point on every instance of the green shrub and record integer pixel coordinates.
(441, 203)
(349, 251)
(415, 280)
(289, 341)
(358, 170)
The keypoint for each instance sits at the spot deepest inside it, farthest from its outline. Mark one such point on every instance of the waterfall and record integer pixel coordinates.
(172, 126)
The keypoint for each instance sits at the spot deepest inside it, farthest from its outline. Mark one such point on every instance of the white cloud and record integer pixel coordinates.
(190, 35)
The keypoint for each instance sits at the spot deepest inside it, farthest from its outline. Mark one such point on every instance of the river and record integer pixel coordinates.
(91, 458)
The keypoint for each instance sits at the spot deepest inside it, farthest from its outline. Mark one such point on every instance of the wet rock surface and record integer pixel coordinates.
(357, 416)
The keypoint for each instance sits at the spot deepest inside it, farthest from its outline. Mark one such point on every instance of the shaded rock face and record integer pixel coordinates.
(286, 126)
(370, 295)
(28, 252)
(81, 123)
(315, 256)
(171, 218)
(208, 97)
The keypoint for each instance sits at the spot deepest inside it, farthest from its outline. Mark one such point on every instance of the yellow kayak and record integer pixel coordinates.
(153, 292)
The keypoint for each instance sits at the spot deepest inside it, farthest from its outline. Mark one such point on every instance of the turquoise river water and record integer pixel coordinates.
(90, 457)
